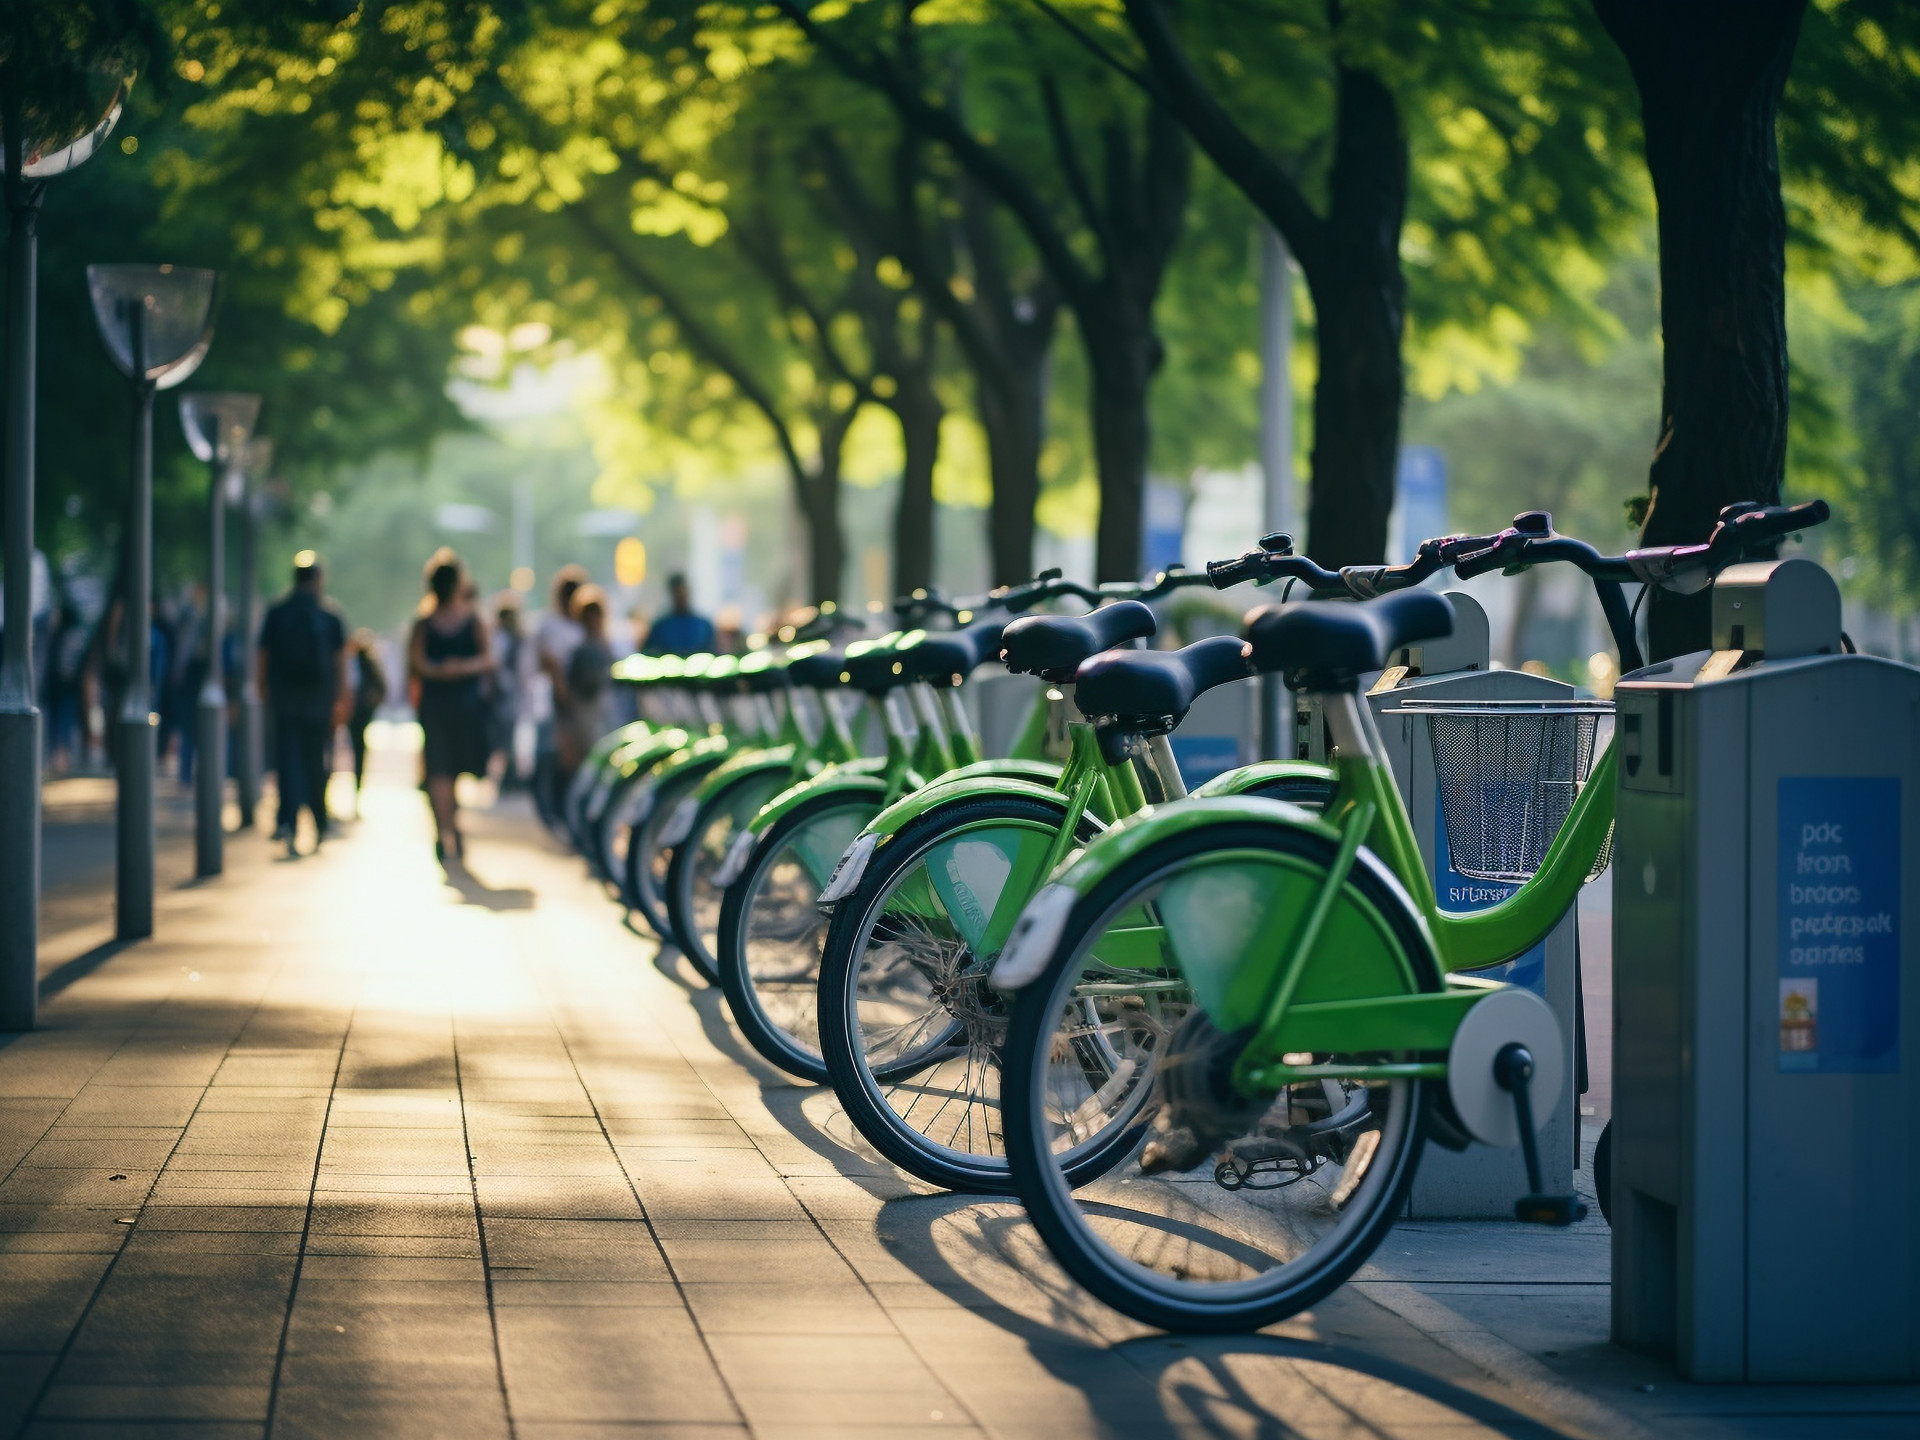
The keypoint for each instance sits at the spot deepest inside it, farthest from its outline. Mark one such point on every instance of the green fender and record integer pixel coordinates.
(863, 776)
(646, 753)
(1128, 837)
(707, 750)
(1248, 778)
(1225, 928)
(820, 846)
(742, 762)
(989, 777)
(603, 748)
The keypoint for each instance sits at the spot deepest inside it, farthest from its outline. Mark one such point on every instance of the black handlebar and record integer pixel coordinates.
(1359, 582)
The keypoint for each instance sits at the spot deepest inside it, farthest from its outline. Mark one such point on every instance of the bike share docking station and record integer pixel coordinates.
(1488, 762)
(1766, 1126)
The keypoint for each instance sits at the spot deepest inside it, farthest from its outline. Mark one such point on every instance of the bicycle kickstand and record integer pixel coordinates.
(1512, 1071)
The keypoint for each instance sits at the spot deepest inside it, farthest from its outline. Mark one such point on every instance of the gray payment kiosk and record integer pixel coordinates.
(1766, 1126)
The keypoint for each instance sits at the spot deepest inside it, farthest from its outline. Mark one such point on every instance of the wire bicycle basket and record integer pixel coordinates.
(1508, 772)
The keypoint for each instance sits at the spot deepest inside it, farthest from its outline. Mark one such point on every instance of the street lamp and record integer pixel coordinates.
(156, 322)
(218, 428)
(28, 164)
(255, 468)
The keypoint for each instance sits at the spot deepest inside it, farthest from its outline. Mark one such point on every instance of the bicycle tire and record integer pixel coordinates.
(642, 885)
(781, 1040)
(863, 1093)
(1121, 1282)
(859, 1089)
(690, 894)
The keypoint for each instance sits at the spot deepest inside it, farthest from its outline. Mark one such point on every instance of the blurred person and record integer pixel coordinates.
(509, 682)
(583, 717)
(554, 640)
(369, 678)
(190, 673)
(449, 654)
(300, 666)
(66, 691)
(680, 631)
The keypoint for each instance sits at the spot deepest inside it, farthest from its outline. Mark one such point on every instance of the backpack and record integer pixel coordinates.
(303, 656)
(588, 669)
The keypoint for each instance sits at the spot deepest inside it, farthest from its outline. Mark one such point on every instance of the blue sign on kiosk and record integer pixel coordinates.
(1839, 939)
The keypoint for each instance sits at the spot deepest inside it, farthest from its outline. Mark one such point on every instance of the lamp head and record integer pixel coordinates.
(44, 156)
(219, 424)
(155, 320)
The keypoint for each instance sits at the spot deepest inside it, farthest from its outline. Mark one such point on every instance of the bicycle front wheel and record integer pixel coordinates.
(910, 1028)
(693, 899)
(648, 856)
(771, 931)
(1227, 1212)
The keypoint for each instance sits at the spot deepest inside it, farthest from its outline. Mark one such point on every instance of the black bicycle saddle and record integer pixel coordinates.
(947, 657)
(1149, 691)
(1055, 646)
(1331, 645)
(818, 669)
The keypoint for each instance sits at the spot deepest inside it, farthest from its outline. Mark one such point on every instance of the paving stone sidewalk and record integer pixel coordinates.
(348, 1151)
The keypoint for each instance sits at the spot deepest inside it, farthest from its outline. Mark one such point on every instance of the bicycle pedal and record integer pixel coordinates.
(1550, 1209)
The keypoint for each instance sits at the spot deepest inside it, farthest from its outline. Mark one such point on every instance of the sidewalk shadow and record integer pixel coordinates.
(475, 891)
(1210, 1401)
(79, 967)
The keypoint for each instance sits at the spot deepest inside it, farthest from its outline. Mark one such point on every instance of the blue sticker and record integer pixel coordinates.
(1462, 892)
(1201, 757)
(1839, 938)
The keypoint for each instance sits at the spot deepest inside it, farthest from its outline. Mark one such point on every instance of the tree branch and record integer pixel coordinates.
(940, 124)
(701, 340)
(1238, 155)
(1068, 154)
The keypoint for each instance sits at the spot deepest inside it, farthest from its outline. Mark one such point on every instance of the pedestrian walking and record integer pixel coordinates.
(369, 679)
(450, 654)
(681, 631)
(508, 700)
(553, 644)
(583, 715)
(300, 665)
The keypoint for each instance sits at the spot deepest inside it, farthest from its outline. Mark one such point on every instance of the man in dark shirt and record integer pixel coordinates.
(681, 631)
(301, 665)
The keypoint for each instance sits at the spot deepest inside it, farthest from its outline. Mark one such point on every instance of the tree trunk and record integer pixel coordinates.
(1360, 309)
(819, 492)
(1122, 364)
(1012, 412)
(920, 412)
(1710, 73)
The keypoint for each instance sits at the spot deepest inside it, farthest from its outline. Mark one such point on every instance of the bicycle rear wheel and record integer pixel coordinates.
(1282, 1197)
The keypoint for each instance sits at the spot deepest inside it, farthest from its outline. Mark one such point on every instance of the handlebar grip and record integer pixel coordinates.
(1779, 520)
(1225, 574)
(1479, 562)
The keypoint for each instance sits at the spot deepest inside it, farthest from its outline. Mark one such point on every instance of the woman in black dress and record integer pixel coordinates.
(449, 654)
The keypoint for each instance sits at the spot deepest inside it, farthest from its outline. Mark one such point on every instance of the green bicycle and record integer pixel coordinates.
(923, 901)
(769, 937)
(1278, 993)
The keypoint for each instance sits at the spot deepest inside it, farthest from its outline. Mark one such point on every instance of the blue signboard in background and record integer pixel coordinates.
(1839, 936)
(1165, 530)
(1420, 498)
(1459, 892)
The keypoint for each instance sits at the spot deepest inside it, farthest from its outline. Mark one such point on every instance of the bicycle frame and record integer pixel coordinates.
(1367, 823)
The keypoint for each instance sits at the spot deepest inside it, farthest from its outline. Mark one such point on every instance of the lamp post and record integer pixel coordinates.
(218, 428)
(28, 164)
(254, 470)
(156, 322)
